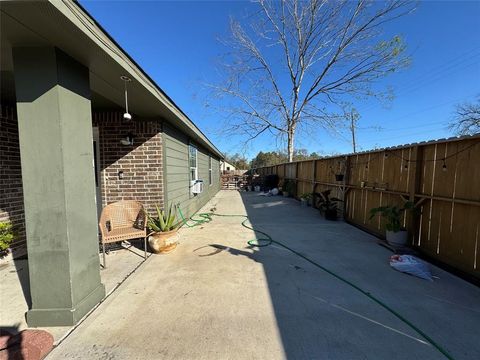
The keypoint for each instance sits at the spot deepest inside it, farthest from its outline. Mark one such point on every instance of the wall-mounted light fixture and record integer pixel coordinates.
(127, 140)
(126, 116)
(120, 175)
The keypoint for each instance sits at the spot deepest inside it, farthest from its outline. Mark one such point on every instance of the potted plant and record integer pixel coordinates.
(396, 234)
(288, 188)
(162, 228)
(328, 206)
(305, 199)
(6, 236)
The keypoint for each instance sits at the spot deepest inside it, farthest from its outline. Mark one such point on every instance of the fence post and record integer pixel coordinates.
(313, 175)
(296, 179)
(346, 187)
(415, 177)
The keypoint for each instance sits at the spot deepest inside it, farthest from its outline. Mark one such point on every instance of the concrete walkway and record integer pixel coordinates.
(216, 298)
(15, 287)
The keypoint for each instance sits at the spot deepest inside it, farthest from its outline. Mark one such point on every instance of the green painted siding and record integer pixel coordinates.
(176, 170)
(55, 135)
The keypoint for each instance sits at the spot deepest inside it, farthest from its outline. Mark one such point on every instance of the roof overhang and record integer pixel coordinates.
(67, 26)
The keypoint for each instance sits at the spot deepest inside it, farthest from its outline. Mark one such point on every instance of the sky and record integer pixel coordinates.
(178, 44)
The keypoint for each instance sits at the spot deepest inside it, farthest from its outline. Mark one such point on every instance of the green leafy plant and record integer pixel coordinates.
(392, 215)
(165, 219)
(306, 196)
(288, 186)
(328, 205)
(6, 235)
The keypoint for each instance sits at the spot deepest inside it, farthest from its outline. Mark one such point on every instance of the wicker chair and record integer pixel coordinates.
(123, 220)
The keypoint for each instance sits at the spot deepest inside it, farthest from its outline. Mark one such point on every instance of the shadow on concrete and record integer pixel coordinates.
(21, 267)
(134, 246)
(27, 344)
(320, 317)
(10, 340)
(217, 249)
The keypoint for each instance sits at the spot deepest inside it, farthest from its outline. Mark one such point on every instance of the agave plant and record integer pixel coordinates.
(165, 220)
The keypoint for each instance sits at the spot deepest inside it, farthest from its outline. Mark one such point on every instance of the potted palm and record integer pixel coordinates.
(162, 228)
(396, 234)
(328, 206)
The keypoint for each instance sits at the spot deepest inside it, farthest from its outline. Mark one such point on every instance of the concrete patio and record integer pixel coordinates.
(15, 287)
(217, 298)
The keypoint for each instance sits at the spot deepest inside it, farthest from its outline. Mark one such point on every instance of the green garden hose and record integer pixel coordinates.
(268, 240)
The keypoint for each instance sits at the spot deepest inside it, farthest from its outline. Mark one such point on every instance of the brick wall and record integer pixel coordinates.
(141, 162)
(11, 192)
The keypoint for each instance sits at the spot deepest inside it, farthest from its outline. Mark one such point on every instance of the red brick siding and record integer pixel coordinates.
(141, 162)
(11, 190)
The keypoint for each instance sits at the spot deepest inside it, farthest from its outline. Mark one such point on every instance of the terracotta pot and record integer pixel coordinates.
(159, 241)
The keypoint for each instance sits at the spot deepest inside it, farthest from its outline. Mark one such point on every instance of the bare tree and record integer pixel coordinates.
(296, 60)
(467, 118)
(353, 116)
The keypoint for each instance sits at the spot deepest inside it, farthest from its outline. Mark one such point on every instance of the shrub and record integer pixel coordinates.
(6, 235)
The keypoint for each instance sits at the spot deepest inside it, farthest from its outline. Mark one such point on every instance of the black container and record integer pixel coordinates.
(339, 177)
(331, 214)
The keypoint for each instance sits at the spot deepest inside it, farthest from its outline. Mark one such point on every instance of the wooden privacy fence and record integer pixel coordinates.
(441, 177)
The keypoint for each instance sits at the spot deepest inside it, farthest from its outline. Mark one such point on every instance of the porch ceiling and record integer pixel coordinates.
(66, 25)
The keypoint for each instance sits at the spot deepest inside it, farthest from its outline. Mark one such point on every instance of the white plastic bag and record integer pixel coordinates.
(272, 192)
(411, 265)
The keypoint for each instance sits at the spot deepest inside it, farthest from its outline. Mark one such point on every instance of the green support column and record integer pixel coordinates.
(55, 131)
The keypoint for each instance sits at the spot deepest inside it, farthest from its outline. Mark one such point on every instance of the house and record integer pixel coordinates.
(64, 83)
(226, 166)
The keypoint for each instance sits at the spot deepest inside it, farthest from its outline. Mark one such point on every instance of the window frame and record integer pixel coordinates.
(190, 167)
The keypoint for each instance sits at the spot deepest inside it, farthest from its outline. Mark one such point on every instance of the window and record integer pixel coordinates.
(192, 160)
(209, 170)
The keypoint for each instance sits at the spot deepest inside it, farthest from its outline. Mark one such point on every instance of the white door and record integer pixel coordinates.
(96, 165)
